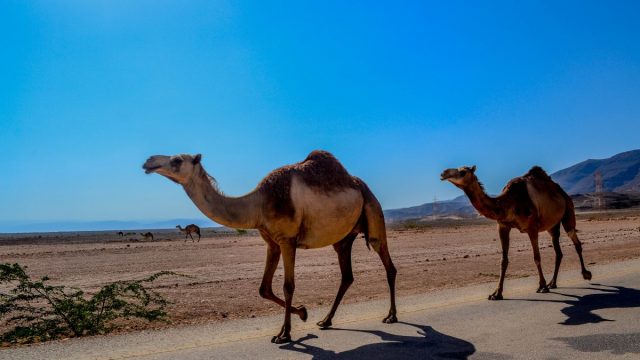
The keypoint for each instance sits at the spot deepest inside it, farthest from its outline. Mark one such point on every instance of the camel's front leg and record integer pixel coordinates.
(343, 248)
(266, 289)
(503, 231)
(533, 236)
(288, 249)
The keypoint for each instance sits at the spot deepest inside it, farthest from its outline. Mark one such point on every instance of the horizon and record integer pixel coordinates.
(396, 93)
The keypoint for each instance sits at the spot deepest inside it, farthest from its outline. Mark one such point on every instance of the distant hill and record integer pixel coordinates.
(460, 206)
(620, 173)
(621, 182)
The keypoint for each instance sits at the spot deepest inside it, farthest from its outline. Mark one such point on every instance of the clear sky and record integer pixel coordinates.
(398, 91)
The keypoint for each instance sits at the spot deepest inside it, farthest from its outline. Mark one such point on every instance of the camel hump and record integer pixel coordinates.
(320, 155)
(538, 172)
(322, 170)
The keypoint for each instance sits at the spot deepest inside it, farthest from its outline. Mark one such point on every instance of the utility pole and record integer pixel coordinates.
(599, 196)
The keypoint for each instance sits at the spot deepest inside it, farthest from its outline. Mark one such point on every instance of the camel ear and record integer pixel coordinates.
(473, 169)
(196, 159)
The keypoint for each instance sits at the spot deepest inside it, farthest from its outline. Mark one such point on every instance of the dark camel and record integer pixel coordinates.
(147, 236)
(531, 203)
(192, 228)
(311, 204)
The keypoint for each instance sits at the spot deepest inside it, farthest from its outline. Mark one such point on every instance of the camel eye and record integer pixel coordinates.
(176, 161)
(463, 172)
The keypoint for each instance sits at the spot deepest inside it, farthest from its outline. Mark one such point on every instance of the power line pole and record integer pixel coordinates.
(599, 196)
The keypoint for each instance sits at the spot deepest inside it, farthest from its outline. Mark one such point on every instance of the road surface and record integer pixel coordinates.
(587, 320)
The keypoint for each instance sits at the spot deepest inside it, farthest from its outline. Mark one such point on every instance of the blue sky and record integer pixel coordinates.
(397, 91)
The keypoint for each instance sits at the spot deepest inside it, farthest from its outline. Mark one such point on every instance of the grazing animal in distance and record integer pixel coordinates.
(310, 204)
(531, 203)
(147, 236)
(120, 233)
(192, 228)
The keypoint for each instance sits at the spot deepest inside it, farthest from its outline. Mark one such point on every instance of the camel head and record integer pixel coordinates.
(460, 177)
(178, 168)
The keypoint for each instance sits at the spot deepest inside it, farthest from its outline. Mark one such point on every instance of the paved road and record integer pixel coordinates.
(597, 320)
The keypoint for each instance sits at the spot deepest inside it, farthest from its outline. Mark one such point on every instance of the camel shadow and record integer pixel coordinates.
(430, 344)
(580, 309)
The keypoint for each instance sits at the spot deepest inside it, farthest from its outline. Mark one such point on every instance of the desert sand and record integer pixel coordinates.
(225, 269)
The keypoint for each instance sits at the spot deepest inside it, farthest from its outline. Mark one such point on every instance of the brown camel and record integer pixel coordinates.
(147, 236)
(311, 204)
(531, 203)
(192, 228)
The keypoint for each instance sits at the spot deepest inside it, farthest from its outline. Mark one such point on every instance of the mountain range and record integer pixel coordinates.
(620, 178)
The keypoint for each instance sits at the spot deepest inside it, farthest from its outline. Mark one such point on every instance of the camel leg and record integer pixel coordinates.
(343, 248)
(191, 236)
(288, 249)
(555, 240)
(383, 251)
(533, 236)
(198, 237)
(569, 224)
(503, 231)
(266, 289)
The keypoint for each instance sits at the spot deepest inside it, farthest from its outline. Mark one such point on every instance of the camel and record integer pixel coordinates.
(147, 236)
(192, 228)
(531, 203)
(120, 233)
(307, 205)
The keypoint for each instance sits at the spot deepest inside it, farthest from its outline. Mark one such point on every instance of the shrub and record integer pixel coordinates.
(33, 310)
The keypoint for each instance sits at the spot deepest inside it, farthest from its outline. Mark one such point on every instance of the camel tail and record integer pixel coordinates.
(375, 233)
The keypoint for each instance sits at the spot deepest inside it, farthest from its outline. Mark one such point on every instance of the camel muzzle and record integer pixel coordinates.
(446, 174)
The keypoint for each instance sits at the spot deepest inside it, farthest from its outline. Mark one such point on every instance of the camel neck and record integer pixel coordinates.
(234, 212)
(486, 205)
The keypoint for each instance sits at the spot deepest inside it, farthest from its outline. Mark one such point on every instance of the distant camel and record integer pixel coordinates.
(531, 203)
(120, 233)
(147, 236)
(311, 204)
(193, 228)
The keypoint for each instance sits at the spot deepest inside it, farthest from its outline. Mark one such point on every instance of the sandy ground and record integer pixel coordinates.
(226, 269)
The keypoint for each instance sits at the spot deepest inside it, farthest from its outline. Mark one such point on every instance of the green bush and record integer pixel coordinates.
(241, 231)
(33, 310)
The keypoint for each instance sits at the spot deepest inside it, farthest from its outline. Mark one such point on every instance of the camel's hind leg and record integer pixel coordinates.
(555, 240)
(383, 251)
(376, 235)
(569, 224)
(343, 248)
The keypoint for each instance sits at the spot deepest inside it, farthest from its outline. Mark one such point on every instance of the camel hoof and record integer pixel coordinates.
(543, 289)
(281, 339)
(495, 297)
(586, 275)
(323, 324)
(552, 285)
(390, 319)
(303, 315)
